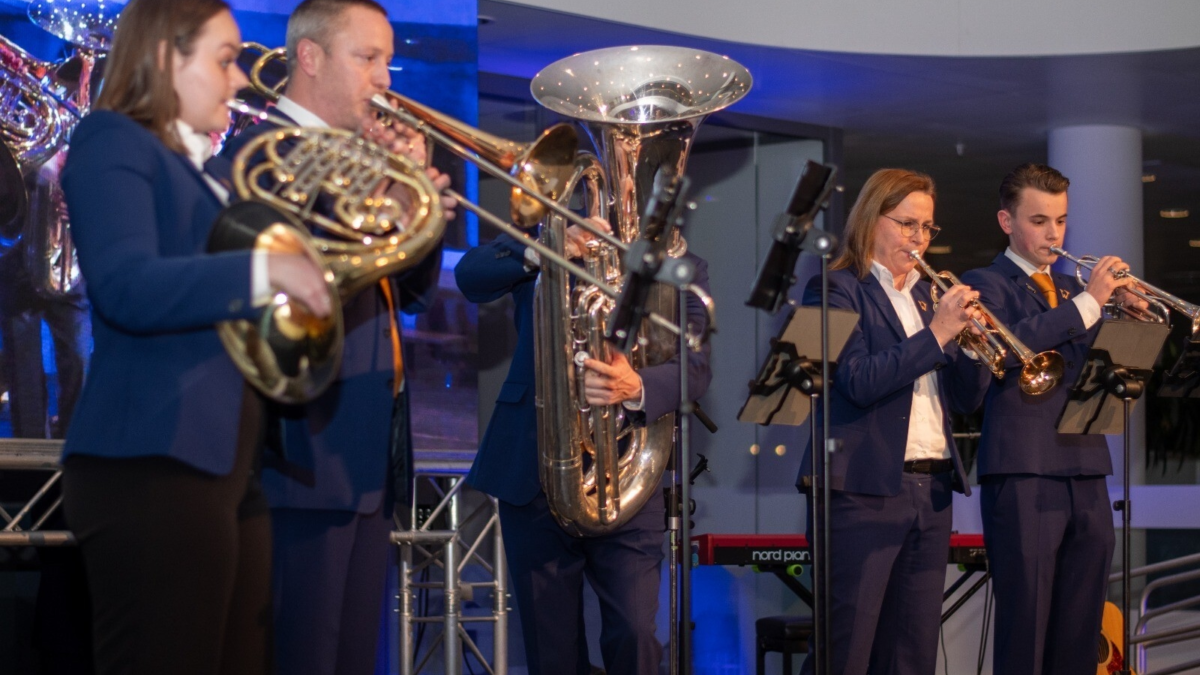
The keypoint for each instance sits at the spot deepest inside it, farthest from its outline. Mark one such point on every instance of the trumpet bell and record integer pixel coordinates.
(1042, 373)
(286, 352)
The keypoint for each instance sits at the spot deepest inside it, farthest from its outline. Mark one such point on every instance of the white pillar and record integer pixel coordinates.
(1104, 165)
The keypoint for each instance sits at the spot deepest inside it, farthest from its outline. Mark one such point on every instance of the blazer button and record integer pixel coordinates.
(1070, 331)
(937, 366)
(1070, 364)
(236, 305)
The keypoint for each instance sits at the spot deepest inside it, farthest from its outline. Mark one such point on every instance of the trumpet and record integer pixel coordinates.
(1160, 301)
(1039, 372)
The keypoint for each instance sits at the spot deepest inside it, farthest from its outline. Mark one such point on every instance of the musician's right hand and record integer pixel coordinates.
(955, 310)
(301, 280)
(1102, 284)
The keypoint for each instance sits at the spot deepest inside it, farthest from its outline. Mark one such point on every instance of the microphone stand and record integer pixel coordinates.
(794, 234)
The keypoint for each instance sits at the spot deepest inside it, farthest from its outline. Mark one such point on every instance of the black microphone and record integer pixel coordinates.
(778, 270)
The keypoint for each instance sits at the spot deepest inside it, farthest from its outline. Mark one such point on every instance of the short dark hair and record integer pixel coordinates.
(135, 84)
(1032, 175)
(316, 20)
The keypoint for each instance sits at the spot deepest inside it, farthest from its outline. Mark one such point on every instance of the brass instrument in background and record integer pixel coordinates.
(1039, 372)
(1161, 302)
(641, 106)
(287, 353)
(38, 110)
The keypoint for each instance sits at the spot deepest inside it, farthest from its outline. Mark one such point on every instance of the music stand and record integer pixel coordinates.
(1184, 379)
(1118, 364)
(790, 375)
(797, 370)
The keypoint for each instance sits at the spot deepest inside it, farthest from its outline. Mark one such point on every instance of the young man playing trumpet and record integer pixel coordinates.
(347, 454)
(1047, 522)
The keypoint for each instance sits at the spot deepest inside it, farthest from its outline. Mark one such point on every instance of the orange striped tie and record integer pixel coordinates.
(1046, 285)
(397, 349)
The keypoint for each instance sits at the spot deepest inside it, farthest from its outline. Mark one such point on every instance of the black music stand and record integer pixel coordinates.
(1184, 379)
(797, 370)
(1118, 364)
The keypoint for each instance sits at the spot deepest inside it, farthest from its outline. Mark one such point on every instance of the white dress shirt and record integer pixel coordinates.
(926, 430)
(1088, 308)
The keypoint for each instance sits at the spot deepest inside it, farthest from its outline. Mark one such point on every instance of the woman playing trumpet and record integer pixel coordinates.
(898, 376)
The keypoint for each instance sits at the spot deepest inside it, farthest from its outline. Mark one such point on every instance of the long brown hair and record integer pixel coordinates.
(881, 194)
(135, 83)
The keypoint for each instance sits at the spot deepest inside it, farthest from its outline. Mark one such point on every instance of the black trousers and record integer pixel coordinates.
(178, 561)
(1050, 543)
(548, 567)
(888, 569)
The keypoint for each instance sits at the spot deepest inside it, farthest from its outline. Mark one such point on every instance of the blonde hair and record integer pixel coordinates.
(880, 195)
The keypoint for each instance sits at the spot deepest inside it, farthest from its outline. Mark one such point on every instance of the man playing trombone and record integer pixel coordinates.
(347, 453)
(1046, 517)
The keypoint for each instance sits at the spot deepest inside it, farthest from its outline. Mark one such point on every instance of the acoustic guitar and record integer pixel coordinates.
(1111, 626)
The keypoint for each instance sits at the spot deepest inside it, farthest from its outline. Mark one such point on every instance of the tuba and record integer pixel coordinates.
(641, 107)
(38, 110)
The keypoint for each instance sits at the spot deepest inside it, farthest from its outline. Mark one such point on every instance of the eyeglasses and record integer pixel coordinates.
(908, 227)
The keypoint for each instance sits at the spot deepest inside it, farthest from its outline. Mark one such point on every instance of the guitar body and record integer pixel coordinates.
(1111, 627)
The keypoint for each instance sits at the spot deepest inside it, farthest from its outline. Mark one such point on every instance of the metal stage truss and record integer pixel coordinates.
(22, 523)
(462, 541)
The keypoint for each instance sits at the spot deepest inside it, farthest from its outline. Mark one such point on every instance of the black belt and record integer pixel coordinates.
(929, 466)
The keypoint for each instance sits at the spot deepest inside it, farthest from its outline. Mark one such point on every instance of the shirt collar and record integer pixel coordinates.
(885, 277)
(302, 116)
(199, 146)
(1026, 266)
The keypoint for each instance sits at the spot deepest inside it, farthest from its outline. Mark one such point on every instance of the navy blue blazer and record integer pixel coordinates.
(1019, 431)
(872, 389)
(160, 383)
(337, 446)
(506, 465)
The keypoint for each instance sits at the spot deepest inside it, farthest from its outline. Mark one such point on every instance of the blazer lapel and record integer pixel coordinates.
(1021, 279)
(875, 291)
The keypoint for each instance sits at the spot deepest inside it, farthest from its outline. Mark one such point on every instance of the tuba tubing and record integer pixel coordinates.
(645, 118)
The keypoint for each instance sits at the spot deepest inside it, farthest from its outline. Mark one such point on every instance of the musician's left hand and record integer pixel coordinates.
(404, 140)
(1126, 300)
(611, 383)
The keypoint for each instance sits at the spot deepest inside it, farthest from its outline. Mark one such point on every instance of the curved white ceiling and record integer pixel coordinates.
(915, 27)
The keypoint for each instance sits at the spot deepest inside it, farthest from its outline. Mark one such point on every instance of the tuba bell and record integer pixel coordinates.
(641, 107)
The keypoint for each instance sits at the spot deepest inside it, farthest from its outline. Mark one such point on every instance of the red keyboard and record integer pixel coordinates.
(788, 549)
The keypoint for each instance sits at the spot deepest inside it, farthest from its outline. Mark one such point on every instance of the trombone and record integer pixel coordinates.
(1039, 372)
(538, 173)
(1161, 302)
